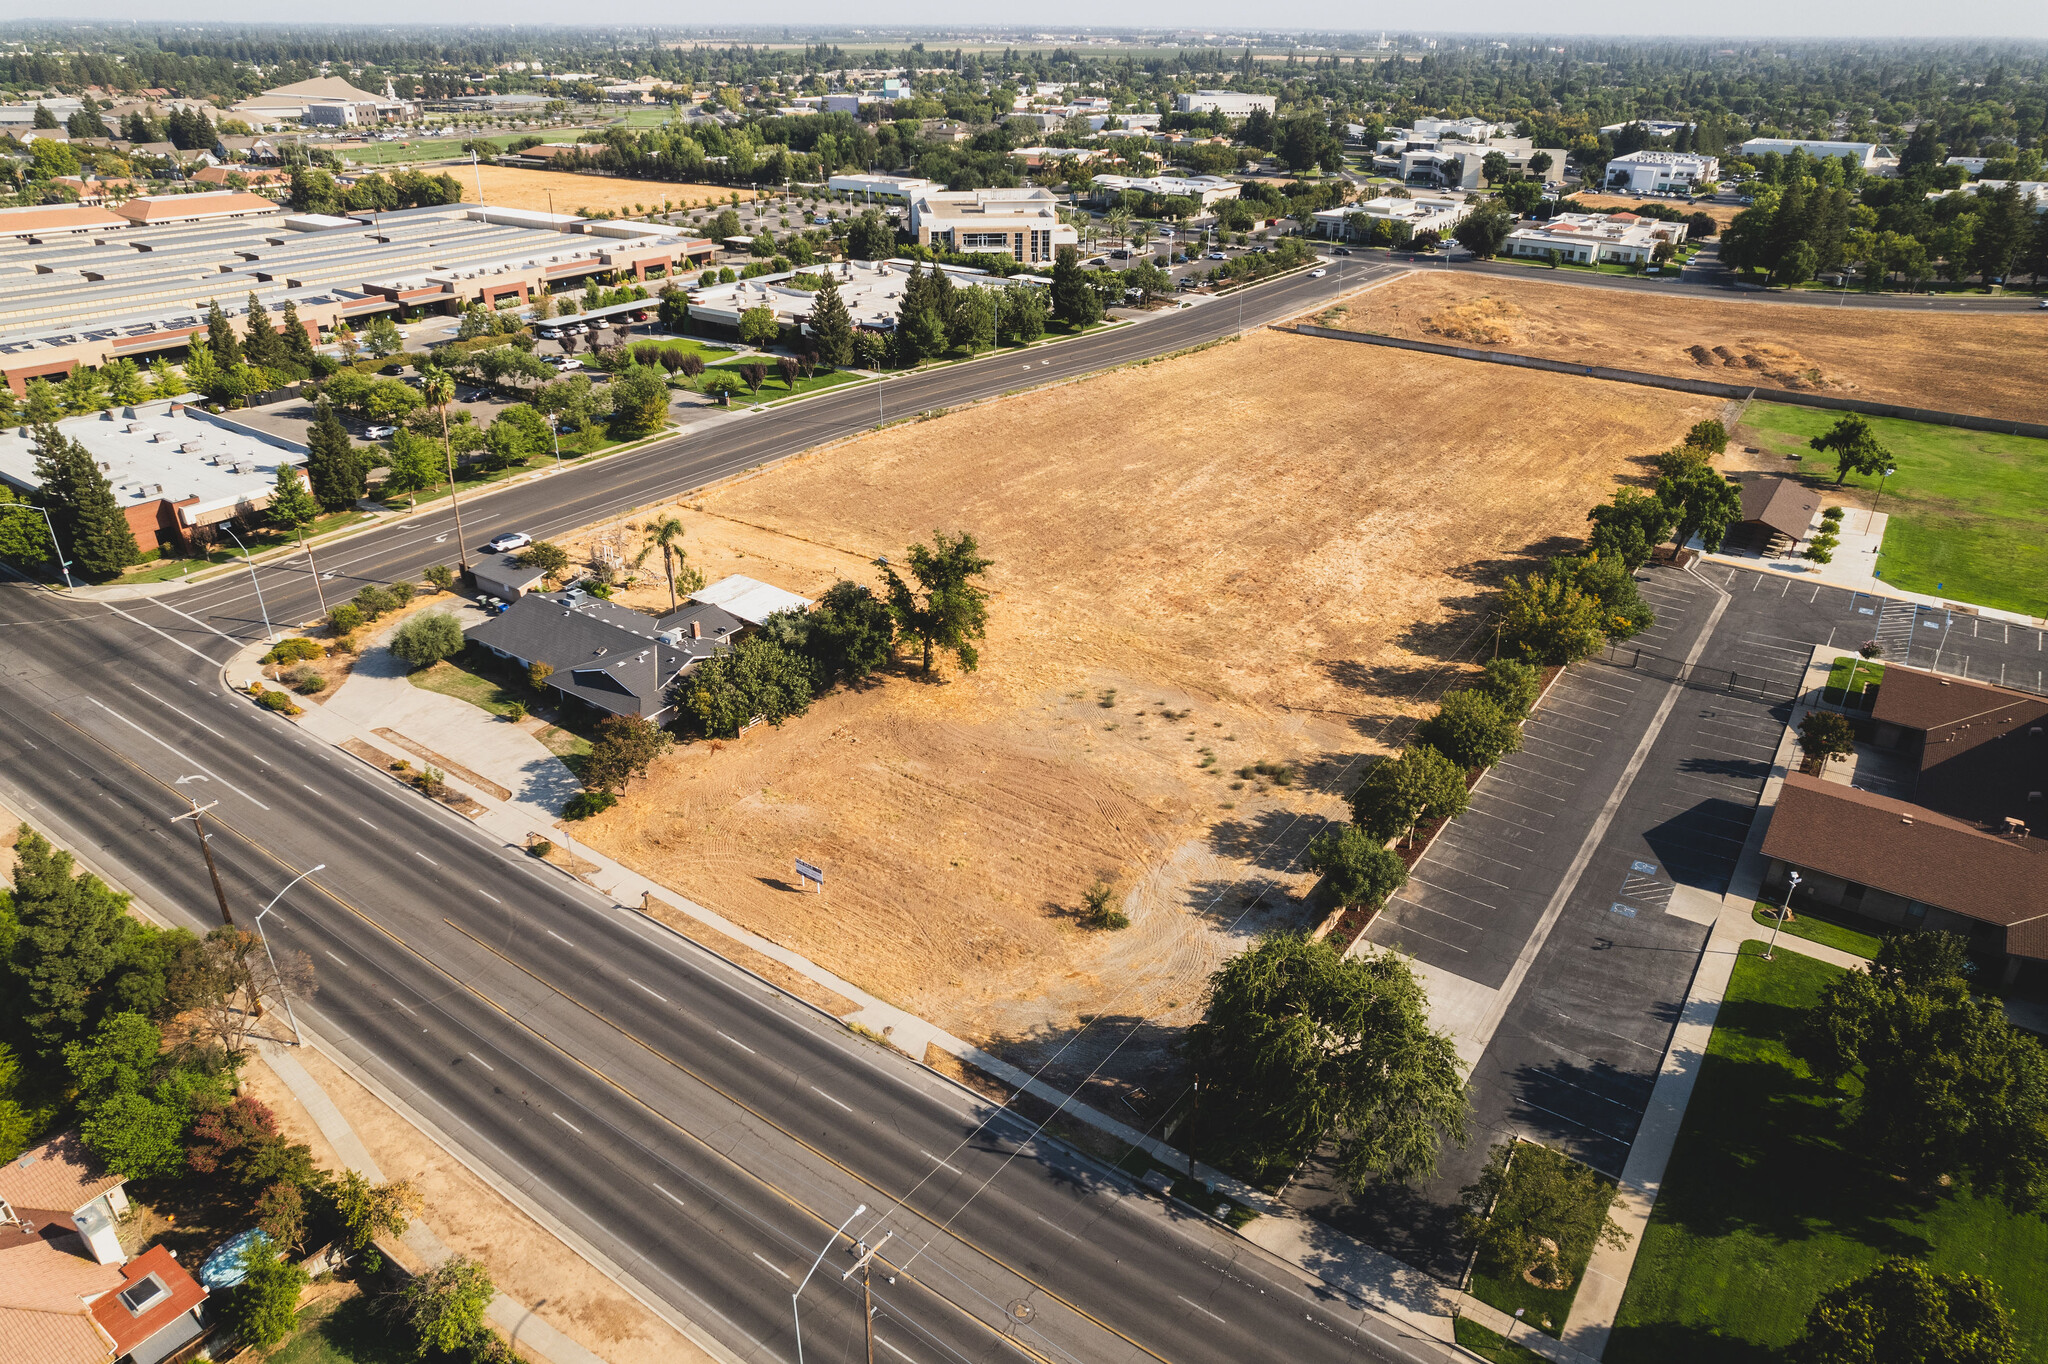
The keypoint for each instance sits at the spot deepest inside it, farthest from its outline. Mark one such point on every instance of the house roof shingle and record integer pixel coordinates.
(1784, 504)
(1986, 748)
(52, 1337)
(609, 655)
(61, 1173)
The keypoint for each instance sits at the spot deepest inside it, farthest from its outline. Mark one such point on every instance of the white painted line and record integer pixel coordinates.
(1199, 1308)
(757, 1255)
(332, 955)
(878, 1339)
(565, 1122)
(560, 939)
(361, 820)
(486, 894)
(401, 1004)
(823, 1095)
(172, 638)
(660, 997)
(1058, 1228)
(737, 1043)
(480, 1061)
(193, 718)
(153, 739)
(309, 788)
(669, 1196)
(930, 1157)
(423, 857)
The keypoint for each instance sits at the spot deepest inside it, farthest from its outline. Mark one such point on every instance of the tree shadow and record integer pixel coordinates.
(1271, 839)
(1249, 907)
(1125, 1065)
(1742, 769)
(1670, 1342)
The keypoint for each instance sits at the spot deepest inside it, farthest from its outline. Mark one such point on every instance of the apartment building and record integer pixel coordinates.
(1595, 238)
(1661, 172)
(1023, 224)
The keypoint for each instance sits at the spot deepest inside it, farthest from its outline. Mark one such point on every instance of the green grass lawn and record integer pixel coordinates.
(1853, 681)
(346, 1331)
(1764, 1207)
(434, 149)
(1840, 931)
(1968, 509)
(451, 678)
(1491, 1345)
(476, 676)
(772, 388)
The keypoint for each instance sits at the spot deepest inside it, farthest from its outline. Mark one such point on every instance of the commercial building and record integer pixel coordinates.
(1203, 189)
(1451, 166)
(1023, 224)
(871, 291)
(173, 466)
(1229, 103)
(1457, 129)
(1872, 157)
(1595, 238)
(1655, 127)
(895, 189)
(1661, 172)
(1949, 844)
(1409, 216)
(326, 100)
(85, 286)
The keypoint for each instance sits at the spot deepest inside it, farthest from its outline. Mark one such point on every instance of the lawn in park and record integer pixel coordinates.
(1968, 509)
(1766, 1205)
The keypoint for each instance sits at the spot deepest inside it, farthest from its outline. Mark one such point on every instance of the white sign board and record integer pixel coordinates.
(806, 872)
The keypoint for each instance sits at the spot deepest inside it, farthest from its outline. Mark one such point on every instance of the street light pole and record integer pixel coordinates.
(297, 1040)
(267, 629)
(1783, 908)
(794, 1316)
(1871, 518)
(62, 563)
(205, 850)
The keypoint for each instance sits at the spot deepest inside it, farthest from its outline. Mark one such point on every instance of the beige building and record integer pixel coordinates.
(1023, 224)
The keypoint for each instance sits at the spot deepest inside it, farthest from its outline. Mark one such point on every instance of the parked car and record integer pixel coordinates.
(1317, 273)
(379, 432)
(565, 363)
(509, 541)
(1214, 255)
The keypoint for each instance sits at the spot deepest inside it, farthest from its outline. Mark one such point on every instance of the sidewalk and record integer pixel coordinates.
(1855, 568)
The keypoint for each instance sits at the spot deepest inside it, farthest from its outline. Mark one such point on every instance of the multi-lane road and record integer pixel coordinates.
(692, 1129)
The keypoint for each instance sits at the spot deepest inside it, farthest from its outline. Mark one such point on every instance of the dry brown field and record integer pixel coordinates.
(1261, 553)
(514, 187)
(1989, 364)
(1722, 214)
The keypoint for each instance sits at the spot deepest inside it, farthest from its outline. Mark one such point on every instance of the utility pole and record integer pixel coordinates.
(199, 828)
(867, 1292)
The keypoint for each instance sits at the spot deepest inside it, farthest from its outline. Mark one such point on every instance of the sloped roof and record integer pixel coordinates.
(37, 1273)
(1784, 504)
(60, 1174)
(751, 600)
(1986, 748)
(170, 208)
(52, 1337)
(178, 1293)
(321, 87)
(56, 218)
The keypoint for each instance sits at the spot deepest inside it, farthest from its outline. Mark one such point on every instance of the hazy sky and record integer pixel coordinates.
(1839, 19)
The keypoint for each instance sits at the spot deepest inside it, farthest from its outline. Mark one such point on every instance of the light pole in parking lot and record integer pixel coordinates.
(1871, 519)
(1784, 908)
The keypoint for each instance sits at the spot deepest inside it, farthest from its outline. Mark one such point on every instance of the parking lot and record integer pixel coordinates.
(1561, 959)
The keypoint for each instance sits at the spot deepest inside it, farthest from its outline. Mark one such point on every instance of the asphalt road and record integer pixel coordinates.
(692, 1128)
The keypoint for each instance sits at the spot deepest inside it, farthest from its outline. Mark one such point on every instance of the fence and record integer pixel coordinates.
(1705, 387)
(1695, 675)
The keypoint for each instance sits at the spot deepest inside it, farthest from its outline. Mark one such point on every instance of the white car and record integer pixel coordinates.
(1317, 274)
(379, 432)
(509, 541)
(565, 363)
(1214, 255)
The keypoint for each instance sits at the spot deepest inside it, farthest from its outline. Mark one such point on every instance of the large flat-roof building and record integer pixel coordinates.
(326, 100)
(1023, 224)
(82, 291)
(172, 465)
(1873, 157)
(1595, 238)
(1661, 172)
(871, 290)
(1203, 189)
(1410, 216)
(896, 189)
(1229, 103)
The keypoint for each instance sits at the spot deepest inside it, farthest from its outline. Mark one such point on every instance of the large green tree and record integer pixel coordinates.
(263, 1308)
(1630, 525)
(221, 341)
(851, 634)
(1855, 446)
(756, 677)
(1400, 792)
(1074, 301)
(948, 610)
(81, 502)
(1904, 1313)
(445, 1306)
(639, 399)
(1301, 1045)
(1357, 869)
(334, 468)
(1702, 502)
(831, 326)
(1471, 729)
(66, 926)
(260, 344)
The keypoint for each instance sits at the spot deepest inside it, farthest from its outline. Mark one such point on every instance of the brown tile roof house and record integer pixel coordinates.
(45, 1296)
(1962, 844)
(1773, 505)
(154, 1311)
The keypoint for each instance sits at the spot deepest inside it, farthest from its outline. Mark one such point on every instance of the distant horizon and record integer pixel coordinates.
(1816, 21)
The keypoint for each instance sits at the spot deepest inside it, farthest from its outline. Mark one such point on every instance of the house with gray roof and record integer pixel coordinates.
(608, 657)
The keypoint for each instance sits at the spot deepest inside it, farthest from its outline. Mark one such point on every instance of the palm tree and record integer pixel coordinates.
(666, 535)
(438, 388)
(1118, 221)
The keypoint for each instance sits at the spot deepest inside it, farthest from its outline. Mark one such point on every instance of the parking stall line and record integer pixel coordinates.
(1529, 790)
(1582, 752)
(1595, 709)
(1627, 689)
(1512, 823)
(1417, 880)
(1493, 793)
(1469, 852)
(1427, 909)
(1540, 758)
(1411, 928)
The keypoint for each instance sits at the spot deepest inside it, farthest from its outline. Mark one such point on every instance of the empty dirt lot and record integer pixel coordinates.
(1261, 553)
(512, 187)
(1989, 364)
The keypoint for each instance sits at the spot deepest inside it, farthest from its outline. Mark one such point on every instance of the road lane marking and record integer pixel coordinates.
(737, 1043)
(663, 999)
(401, 1004)
(480, 1061)
(565, 1122)
(764, 1260)
(423, 857)
(926, 1154)
(336, 958)
(361, 820)
(1060, 1229)
(1199, 1308)
(560, 939)
(669, 1196)
(175, 752)
(175, 711)
(196, 621)
(823, 1095)
(172, 638)
(886, 1345)
(486, 894)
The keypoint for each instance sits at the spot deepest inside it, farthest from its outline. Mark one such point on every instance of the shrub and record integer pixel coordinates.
(427, 638)
(307, 680)
(1832, 514)
(537, 675)
(400, 592)
(540, 847)
(373, 601)
(584, 804)
(516, 712)
(1471, 729)
(1820, 554)
(345, 618)
(263, 1308)
(294, 650)
(1513, 683)
(1357, 868)
(279, 701)
(1099, 907)
(442, 577)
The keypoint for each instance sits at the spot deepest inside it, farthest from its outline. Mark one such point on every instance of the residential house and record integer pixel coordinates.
(1661, 172)
(609, 658)
(60, 1183)
(503, 576)
(1950, 846)
(750, 599)
(1595, 238)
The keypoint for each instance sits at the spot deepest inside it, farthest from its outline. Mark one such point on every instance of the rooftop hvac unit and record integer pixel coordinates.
(190, 447)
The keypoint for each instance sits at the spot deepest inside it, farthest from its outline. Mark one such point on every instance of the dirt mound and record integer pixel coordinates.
(1777, 365)
(1484, 321)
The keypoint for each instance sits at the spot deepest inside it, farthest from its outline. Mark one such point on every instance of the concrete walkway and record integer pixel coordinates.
(521, 1324)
